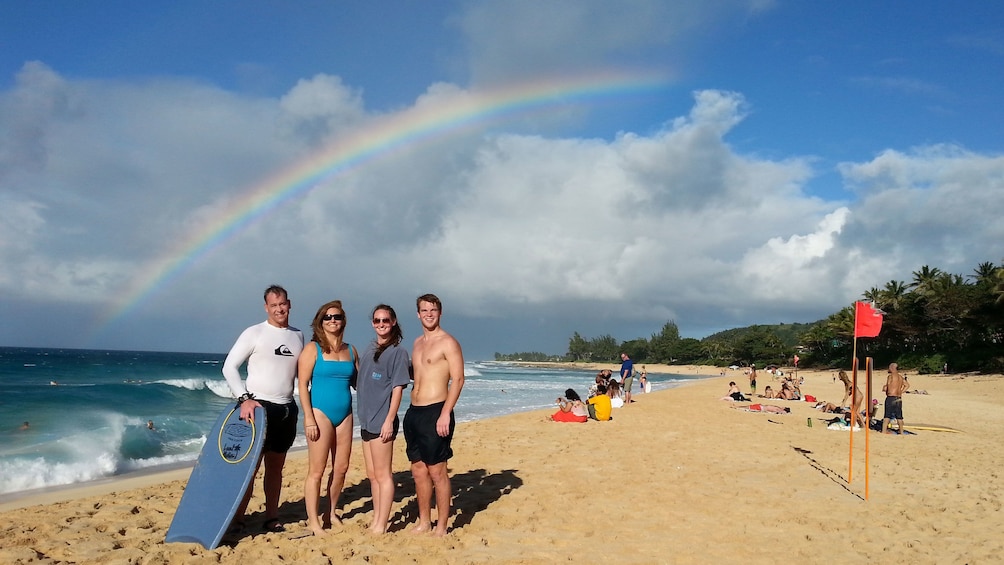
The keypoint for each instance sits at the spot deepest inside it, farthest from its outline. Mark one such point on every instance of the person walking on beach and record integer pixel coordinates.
(752, 379)
(847, 387)
(270, 349)
(627, 377)
(384, 373)
(327, 371)
(429, 422)
(895, 384)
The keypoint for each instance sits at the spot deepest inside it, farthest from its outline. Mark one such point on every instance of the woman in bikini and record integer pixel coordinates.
(327, 368)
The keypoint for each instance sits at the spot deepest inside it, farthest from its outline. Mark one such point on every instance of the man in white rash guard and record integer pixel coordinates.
(271, 350)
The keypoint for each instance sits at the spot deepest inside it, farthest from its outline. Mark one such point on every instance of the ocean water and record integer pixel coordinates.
(87, 410)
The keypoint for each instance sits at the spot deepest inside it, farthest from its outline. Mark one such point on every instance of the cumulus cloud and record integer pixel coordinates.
(636, 229)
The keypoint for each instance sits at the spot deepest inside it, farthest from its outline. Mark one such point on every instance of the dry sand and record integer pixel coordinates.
(677, 477)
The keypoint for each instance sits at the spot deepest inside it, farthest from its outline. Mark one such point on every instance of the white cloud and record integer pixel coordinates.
(641, 227)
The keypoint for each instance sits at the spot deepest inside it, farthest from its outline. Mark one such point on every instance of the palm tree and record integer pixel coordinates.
(997, 288)
(924, 278)
(873, 295)
(984, 272)
(893, 294)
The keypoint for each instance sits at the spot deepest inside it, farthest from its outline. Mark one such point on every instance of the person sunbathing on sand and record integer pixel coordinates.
(769, 392)
(830, 407)
(764, 408)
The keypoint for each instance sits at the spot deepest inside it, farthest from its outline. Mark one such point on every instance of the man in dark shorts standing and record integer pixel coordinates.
(627, 377)
(895, 384)
(271, 350)
(438, 364)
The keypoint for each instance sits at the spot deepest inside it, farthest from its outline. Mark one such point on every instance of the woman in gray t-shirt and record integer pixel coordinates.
(384, 372)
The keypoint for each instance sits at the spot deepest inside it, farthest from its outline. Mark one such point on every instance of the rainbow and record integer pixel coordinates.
(380, 138)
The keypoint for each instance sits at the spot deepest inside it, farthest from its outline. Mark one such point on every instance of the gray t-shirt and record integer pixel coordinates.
(376, 381)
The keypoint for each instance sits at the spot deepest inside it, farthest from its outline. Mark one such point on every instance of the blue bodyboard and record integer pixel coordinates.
(219, 480)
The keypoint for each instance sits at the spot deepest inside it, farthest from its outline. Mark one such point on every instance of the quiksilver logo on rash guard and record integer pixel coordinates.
(284, 351)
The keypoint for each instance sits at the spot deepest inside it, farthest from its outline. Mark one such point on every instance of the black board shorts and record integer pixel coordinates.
(280, 426)
(424, 443)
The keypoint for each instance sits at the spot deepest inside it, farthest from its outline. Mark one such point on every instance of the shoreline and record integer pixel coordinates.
(653, 368)
(181, 470)
(683, 477)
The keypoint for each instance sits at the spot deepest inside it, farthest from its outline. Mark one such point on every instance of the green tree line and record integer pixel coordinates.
(938, 318)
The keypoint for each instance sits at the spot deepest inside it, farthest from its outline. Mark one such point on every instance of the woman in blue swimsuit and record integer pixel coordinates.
(327, 368)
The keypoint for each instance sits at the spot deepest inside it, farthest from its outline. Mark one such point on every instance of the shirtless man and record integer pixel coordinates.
(428, 424)
(894, 387)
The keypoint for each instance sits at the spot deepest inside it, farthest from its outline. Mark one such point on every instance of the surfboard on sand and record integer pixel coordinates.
(928, 428)
(221, 475)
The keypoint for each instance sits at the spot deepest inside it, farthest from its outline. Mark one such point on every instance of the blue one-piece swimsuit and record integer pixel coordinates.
(329, 386)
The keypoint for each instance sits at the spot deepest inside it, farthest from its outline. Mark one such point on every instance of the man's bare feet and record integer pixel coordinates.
(422, 528)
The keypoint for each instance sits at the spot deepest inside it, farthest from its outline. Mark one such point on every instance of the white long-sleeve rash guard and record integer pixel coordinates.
(271, 354)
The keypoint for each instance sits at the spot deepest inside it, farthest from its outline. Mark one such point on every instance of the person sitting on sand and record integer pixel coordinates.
(570, 408)
(617, 398)
(599, 405)
(768, 392)
(734, 394)
(786, 392)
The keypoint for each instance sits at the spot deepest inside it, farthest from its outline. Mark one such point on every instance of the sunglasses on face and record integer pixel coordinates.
(336, 317)
(381, 321)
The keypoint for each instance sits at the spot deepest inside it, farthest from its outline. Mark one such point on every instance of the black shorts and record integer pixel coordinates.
(424, 443)
(893, 408)
(280, 426)
(370, 436)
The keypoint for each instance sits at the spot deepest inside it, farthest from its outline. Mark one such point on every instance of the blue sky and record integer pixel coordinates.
(795, 155)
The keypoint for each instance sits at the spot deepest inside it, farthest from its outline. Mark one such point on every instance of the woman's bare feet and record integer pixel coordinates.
(316, 528)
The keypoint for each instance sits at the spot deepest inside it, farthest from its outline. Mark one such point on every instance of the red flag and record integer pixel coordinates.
(796, 360)
(867, 320)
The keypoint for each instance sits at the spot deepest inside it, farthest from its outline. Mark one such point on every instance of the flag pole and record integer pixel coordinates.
(851, 420)
(854, 390)
(868, 415)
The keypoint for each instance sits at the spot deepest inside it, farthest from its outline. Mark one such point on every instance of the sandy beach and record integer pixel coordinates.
(677, 477)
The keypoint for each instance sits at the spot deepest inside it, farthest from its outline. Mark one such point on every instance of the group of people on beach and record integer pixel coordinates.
(849, 413)
(326, 368)
(605, 394)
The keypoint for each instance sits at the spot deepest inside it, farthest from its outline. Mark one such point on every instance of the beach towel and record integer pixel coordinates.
(560, 416)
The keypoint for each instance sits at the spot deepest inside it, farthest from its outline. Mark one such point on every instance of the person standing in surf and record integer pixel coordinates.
(327, 371)
(271, 350)
(384, 373)
(429, 422)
